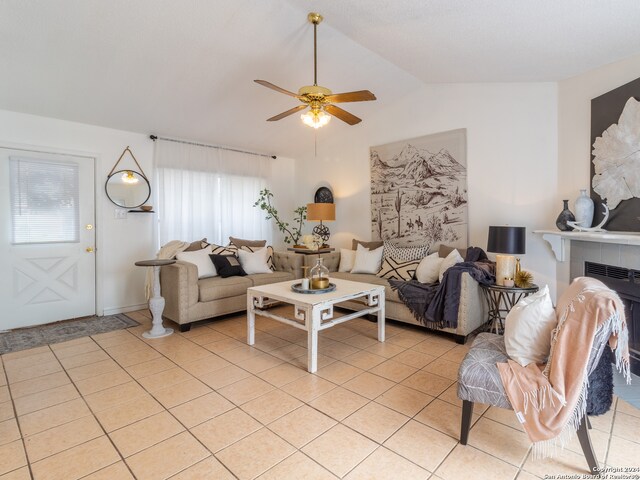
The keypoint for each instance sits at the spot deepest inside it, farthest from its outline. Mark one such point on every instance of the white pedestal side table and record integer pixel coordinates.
(156, 302)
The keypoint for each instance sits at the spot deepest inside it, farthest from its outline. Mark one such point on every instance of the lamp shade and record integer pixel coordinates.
(321, 212)
(505, 239)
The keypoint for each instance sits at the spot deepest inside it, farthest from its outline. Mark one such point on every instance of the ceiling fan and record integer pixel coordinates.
(319, 99)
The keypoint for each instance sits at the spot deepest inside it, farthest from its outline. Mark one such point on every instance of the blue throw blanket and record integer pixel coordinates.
(436, 304)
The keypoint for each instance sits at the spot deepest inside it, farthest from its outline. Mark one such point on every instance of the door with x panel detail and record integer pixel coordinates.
(47, 237)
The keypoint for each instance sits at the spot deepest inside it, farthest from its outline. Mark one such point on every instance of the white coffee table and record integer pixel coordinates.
(314, 312)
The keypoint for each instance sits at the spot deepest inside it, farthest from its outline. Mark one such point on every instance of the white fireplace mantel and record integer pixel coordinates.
(556, 239)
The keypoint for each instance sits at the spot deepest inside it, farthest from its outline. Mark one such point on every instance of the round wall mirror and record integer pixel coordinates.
(128, 188)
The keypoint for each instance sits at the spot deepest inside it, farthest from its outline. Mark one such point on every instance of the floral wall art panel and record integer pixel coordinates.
(615, 157)
(419, 190)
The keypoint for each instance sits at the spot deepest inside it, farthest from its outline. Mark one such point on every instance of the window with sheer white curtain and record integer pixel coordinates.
(208, 192)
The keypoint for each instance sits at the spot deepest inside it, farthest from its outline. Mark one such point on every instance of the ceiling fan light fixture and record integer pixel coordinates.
(129, 177)
(315, 118)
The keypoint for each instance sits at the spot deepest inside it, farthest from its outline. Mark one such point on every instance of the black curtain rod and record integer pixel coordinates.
(155, 137)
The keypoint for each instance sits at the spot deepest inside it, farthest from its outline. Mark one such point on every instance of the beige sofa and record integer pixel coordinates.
(188, 299)
(472, 312)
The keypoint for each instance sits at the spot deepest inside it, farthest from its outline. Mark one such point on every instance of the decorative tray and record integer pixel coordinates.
(297, 287)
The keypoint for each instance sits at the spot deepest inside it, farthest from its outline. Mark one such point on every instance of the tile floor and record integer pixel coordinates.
(204, 405)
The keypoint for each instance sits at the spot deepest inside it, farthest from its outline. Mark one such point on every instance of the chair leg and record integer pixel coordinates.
(587, 448)
(465, 424)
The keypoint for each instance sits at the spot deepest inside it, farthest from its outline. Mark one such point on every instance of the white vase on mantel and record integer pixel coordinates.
(583, 209)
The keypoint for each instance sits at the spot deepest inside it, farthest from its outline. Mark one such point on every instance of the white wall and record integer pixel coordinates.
(574, 131)
(511, 160)
(120, 242)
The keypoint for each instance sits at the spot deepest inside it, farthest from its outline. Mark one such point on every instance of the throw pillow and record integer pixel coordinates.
(367, 261)
(453, 258)
(239, 242)
(370, 245)
(445, 250)
(255, 249)
(254, 262)
(405, 254)
(428, 270)
(197, 245)
(398, 269)
(528, 328)
(347, 259)
(220, 250)
(227, 265)
(200, 258)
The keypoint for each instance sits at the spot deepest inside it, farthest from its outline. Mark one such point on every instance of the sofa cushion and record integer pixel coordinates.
(241, 242)
(215, 288)
(390, 295)
(370, 245)
(266, 278)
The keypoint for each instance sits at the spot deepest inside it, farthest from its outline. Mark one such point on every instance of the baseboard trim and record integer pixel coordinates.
(131, 308)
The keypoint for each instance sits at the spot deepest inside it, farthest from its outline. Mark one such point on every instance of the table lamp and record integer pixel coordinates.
(322, 212)
(506, 242)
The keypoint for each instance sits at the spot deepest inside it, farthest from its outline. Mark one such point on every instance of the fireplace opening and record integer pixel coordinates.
(626, 282)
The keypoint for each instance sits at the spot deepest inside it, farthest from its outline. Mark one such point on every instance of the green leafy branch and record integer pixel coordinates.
(292, 233)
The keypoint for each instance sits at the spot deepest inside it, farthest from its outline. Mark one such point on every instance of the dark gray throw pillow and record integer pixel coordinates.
(227, 265)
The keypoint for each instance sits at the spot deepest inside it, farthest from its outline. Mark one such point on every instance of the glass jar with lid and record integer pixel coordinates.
(319, 276)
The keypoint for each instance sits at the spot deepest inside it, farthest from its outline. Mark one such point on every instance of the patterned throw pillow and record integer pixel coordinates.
(233, 249)
(227, 265)
(393, 269)
(405, 254)
(220, 250)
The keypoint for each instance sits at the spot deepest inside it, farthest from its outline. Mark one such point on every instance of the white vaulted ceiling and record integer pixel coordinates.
(186, 68)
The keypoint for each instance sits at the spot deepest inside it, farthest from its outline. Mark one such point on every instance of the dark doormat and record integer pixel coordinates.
(31, 337)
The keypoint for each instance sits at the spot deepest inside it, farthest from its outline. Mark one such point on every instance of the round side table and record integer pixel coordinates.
(501, 300)
(156, 302)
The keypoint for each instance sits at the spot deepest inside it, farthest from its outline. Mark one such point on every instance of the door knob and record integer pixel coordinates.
(89, 249)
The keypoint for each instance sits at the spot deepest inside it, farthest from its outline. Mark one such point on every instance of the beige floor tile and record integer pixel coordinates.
(383, 464)
(77, 462)
(260, 363)
(6, 411)
(201, 409)
(117, 337)
(282, 374)
(114, 396)
(394, 371)
(151, 367)
(444, 417)
(139, 356)
(72, 350)
(209, 468)
(387, 350)
(500, 441)
(124, 414)
(72, 343)
(205, 365)
(339, 403)
(340, 449)
(181, 393)
(456, 466)
(167, 458)
(338, 350)
(422, 445)
(599, 441)
(404, 400)
(303, 362)
(203, 336)
(414, 359)
(12, 457)
(364, 360)
(245, 390)
(164, 379)
(457, 353)
(54, 416)
(266, 342)
(188, 354)
(221, 346)
(8, 357)
(623, 453)
(224, 376)
(339, 372)
(406, 340)
(83, 359)
(506, 416)
(369, 385)
(302, 425)
(622, 406)
(91, 370)
(298, 466)
(130, 345)
(117, 471)
(271, 406)
(38, 401)
(360, 341)
(450, 395)
(443, 368)
(376, 421)
(240, 354)
(435, 348)
(63, 437)
(4, 394)
(522, 476)
(33, 371)
(428, 383)
(14, 365)
(39, 384)
(9, 431)
(255, 454)
(19, 474)
(603, 422)
(566, 463)
(225, 429)
(145, 433)
(102, 382)
(626, 426)
(308, 387)
(289, 352)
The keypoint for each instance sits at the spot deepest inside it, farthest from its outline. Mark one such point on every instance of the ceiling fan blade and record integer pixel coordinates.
(359, 96)
(342, 114)
(287, 113)
(264, 83)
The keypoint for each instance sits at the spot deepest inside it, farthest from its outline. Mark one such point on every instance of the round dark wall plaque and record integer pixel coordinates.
(323, 195)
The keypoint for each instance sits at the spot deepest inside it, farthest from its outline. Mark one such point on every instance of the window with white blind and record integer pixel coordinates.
(44, 201)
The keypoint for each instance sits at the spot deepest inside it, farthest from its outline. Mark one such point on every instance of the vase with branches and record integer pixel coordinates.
(292, 233)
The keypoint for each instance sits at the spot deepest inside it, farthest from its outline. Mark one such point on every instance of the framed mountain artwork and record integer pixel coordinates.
(419, 190)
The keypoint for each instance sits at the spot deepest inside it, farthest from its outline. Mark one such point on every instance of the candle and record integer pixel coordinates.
(305, 284)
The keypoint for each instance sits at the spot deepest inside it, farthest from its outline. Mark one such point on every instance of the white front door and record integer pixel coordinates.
(47, 237)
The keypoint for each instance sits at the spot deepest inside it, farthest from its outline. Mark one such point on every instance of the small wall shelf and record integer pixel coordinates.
(141, 211)
(556, 239)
